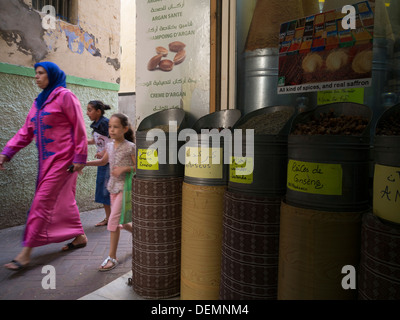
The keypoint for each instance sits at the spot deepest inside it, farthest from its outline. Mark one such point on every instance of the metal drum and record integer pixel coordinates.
(329, 172)
(260, 85)
(269, 163)
(213, 170)
(386, 189)
(161, 161)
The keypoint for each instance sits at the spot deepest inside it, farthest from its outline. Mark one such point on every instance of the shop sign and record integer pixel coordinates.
(172, 57)
(327, 51)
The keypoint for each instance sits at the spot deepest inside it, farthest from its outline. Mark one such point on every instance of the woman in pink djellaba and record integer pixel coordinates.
(56, 122)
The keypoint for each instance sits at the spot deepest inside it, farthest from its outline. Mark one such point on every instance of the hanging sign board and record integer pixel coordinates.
(327, 51)
(173, 56)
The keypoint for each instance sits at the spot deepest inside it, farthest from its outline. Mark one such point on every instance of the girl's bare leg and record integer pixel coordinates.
(114, 239)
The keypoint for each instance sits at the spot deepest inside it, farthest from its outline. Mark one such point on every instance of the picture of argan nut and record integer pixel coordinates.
(362, 62)
(180, 56)
(176, 46)
(162, 50)
(166, 65)
(336, 60)
(153, 63)
(312, 62)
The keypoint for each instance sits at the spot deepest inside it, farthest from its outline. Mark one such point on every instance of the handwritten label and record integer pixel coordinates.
(386, 198)
(204, 163)
(315, 178)
(241, 170)
(355, 95)
(147, 159)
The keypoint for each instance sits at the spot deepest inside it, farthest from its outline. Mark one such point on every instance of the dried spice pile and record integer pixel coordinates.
(330, 124)
(269, 123)
(389, 126)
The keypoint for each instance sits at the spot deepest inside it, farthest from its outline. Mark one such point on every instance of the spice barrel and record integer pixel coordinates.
(259, 164)
(386, 189)
(327, 194)
(329, 171)
(207, 153)
(157, 144)
(202, 205)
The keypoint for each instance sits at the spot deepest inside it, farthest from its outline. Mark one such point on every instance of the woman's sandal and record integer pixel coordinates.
(71, 246)
(113, 261)
(102, 223)
(17, 266)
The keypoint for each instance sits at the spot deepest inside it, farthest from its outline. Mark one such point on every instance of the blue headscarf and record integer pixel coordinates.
(57, 78)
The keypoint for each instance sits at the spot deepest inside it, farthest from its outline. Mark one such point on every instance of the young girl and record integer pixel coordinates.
(95, 112)
(120, 153)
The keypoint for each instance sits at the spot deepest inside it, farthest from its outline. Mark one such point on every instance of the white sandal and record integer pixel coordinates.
(114, 264)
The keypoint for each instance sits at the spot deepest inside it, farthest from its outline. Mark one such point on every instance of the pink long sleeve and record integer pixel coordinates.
(22, 138)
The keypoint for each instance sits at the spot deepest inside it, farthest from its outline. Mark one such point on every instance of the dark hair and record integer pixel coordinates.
(99, 105)
(123, 118)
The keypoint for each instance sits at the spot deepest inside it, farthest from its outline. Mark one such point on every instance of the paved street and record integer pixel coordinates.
(76, 271)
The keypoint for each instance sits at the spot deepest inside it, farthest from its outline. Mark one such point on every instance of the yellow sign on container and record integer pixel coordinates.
(386, 198)
(315, 178)
(147, 159)
(204, 162)
(241, 170)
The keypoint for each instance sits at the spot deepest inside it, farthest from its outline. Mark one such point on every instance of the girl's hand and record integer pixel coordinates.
(3, 159)
(100, 155)
(118, 171)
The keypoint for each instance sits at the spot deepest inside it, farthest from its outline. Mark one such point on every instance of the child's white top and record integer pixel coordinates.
(119, 157)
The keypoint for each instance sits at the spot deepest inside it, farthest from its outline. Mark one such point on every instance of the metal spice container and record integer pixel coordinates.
(269, 123)
(269, 161)
(328, 169)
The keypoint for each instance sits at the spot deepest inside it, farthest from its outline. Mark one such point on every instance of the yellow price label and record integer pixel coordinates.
(355, 95)
(147, 159)
(386, 192)
(203, 162)
(241, 170)
(315, 178)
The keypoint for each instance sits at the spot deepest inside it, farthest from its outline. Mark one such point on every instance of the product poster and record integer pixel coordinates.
(173, 56)
(317, 53)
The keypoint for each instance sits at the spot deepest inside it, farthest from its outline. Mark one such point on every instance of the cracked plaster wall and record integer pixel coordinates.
(88, 48)
(17, 183)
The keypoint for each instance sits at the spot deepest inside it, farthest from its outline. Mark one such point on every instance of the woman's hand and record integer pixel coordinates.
(3, 159)
(78, 167)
